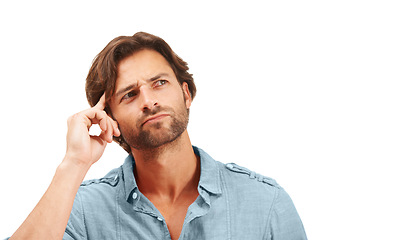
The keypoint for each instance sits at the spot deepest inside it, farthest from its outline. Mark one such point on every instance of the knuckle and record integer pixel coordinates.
(70, 119)
(75, 116)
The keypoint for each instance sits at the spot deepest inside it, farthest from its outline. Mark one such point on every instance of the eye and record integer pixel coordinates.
(160, 83)
(129, 95)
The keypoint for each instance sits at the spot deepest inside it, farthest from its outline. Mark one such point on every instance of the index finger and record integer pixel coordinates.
(101, 104)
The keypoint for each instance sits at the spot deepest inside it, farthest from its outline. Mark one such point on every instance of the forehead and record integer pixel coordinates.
(142, 66)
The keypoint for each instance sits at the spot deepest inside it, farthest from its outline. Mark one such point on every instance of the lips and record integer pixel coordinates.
(154, 118)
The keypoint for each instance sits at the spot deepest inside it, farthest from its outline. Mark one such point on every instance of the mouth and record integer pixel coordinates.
(154, 119)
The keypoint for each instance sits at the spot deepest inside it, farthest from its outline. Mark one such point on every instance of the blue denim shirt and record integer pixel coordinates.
(233, 203)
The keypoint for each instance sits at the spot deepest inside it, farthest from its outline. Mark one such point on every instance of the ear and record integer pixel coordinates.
(186, 94)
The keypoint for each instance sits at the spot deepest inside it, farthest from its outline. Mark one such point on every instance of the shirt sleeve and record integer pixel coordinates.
(285, 223)
(76, 229)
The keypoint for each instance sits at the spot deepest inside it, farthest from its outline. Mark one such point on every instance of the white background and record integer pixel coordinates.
(316, 94)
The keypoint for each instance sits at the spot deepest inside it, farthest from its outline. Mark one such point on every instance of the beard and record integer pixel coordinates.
(143, 137)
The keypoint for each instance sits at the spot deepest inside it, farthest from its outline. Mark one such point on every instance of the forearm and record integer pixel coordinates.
(49, 218)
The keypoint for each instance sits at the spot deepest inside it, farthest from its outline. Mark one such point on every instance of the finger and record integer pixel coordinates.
(102, 121)
(101, 104)
(109, 131)
(116, 131)
(100, 138)
(96, 116)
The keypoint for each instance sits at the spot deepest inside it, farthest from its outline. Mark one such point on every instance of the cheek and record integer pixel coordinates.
(128, 125)
(124, 118)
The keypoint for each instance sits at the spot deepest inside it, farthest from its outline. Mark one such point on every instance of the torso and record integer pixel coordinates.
(175, 213)
(175, 221)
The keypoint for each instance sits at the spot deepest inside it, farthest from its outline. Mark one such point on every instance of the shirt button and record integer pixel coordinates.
(159, 218)
(134, 195)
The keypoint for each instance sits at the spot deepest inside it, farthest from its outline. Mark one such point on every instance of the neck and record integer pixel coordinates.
(168, 171)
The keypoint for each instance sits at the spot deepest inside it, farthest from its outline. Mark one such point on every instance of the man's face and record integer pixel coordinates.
(149, 104)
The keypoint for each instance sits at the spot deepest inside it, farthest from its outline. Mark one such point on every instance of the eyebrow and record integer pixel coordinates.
(133, 85)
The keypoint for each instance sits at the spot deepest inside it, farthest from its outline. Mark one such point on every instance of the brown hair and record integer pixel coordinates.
(103, 72)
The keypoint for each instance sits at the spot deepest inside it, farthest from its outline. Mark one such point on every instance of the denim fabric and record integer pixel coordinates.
(233, 203)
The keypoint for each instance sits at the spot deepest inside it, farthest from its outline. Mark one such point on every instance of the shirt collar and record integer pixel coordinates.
(209, 173)
(129, 180)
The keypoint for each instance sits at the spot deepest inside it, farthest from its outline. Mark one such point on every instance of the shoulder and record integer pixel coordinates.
(233, 172)
(244, 183)
(249, 191)
(100, 188)
(110, 179)
(243, 175)
(92, 196)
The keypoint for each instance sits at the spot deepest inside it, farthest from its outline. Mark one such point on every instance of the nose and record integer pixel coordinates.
(147, 98)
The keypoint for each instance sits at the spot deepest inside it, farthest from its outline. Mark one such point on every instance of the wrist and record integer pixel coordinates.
(76, 161)
(73, 166)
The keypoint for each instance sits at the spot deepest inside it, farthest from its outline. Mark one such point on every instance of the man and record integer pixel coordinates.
(140, 92)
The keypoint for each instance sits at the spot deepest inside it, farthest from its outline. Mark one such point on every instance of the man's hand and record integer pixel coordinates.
(49, 218)
(82, 148)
